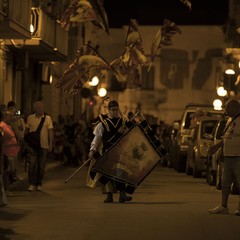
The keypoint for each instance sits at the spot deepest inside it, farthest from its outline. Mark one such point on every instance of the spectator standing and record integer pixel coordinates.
(38, 157)
(18, 126)
(3, 197)
(69, 143)
(9, 148)
(59, 138)
(80, 136)
(231, 152)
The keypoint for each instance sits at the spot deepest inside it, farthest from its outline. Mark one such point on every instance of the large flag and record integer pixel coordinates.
(129, 160)
(87, 64)
(81, 11)
(163, 38)
(187, 3)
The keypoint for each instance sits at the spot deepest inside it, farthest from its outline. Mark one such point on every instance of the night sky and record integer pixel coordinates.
(153, 12)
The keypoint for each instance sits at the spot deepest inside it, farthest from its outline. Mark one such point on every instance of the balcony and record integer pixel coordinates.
(15, 19)
(49, 41)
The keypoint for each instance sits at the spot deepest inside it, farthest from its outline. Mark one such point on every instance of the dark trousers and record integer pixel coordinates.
(120, 186)
(36, 168)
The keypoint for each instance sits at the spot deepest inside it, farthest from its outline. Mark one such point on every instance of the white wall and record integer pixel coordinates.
(192, 39)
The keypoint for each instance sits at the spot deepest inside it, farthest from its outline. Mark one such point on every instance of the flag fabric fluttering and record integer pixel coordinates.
(78, 12)
(169, 29)
(101, 14)
(187, 3)
(163, 38)
(87, 64)
(81, 11)
(133, 55)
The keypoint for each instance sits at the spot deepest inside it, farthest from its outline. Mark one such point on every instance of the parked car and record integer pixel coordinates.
(184, 132)
(213, 166)
(199, 142)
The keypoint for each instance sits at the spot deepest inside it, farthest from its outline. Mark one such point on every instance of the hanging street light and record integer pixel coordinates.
(221, 92)
(102, 92)
(94, 82)
(217, 104)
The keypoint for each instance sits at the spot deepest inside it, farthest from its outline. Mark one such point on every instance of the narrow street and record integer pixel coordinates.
(167, 205)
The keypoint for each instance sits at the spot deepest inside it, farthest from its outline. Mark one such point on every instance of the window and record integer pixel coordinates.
(147, 78)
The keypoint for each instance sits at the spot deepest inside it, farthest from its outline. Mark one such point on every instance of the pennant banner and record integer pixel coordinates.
(163, 38)
(87, 64)
(132, 59)
(80, 11)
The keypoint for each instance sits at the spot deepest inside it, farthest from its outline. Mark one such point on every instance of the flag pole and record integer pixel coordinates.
(77, 170)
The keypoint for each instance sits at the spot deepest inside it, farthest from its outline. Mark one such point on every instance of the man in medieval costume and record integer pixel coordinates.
(106, 134)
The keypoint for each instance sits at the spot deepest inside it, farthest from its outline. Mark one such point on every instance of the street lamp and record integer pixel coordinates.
(31, 28)
(217, 104)
(230, 69)
(221, 91)
(94, 82)
(102, 92)
(229, 65)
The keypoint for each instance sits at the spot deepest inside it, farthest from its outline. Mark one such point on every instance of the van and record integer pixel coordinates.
(184, 132)
(200, 141)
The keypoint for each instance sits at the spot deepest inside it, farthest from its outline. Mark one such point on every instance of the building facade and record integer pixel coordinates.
(31, 62)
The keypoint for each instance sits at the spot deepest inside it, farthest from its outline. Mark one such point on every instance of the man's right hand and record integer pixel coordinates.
(91, 154)
(214, 148)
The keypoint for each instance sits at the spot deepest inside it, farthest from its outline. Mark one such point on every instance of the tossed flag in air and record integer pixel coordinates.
(187, 3)
(81, 11)
(101, 14)
(133, 56)
(78, 12)
(163, 38)
(87, 64)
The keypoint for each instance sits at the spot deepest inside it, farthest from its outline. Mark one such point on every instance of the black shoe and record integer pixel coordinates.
(109, 198)
(125, 198)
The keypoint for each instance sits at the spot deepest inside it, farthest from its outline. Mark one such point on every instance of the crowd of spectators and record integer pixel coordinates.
(71, 140)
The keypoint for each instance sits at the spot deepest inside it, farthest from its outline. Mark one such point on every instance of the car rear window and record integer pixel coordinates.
(208, 127)
(188, 118)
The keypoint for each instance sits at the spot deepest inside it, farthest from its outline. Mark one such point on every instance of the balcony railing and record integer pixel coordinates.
(49, 41)
(49, 31)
